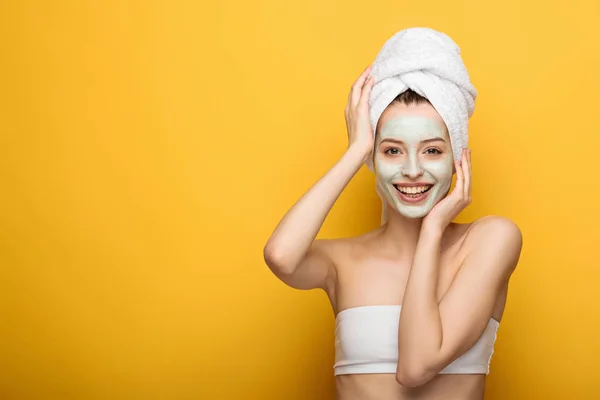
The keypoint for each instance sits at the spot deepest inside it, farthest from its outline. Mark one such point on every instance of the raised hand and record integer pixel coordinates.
(444, 212)
(360, 133)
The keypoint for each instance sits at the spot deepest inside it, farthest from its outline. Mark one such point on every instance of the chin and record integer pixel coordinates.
(413, 214)
(407, 211)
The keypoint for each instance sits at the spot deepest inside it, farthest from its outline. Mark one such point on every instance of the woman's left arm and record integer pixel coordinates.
(432, 334)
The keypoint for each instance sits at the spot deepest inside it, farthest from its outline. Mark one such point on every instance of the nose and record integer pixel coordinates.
(412, 168)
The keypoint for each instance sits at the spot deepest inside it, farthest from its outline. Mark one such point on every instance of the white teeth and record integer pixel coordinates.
(413, 190)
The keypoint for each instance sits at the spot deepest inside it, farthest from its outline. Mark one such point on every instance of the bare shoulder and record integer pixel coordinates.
(495, 237)
(495, 225)
(339, 250)
(340, 254)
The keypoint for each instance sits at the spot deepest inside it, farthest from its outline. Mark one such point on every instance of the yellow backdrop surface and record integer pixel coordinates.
(148, 149)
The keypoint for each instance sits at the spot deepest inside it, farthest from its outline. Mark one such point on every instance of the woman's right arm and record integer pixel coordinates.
(292, 252)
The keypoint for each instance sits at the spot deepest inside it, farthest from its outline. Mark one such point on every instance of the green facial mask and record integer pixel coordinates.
(413, 161)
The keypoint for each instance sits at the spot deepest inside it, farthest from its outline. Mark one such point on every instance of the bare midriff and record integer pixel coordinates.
(385, 387)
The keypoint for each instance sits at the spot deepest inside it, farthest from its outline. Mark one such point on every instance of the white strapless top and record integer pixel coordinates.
(366, 342)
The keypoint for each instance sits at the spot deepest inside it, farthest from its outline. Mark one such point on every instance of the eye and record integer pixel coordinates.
(433, 150)
(392, 151)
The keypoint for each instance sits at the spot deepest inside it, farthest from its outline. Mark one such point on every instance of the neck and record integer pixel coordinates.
(401, 234)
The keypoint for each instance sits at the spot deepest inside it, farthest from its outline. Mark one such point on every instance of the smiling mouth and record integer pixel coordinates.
(413, 191)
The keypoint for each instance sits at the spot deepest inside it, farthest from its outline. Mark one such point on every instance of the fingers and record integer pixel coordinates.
(364, 97)
(465, 172)
(356, 92)
(459, 187)
(469, 175)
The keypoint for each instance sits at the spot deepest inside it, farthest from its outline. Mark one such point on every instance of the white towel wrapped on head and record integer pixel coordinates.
(429, 63)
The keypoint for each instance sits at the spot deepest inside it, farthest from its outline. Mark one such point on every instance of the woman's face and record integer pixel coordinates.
(413, 158)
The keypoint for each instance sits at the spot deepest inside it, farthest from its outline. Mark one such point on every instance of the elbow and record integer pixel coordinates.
(409, 380)
(412, 376)
(276, 261)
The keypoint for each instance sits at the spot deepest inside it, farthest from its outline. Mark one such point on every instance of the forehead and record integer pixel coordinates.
(411, 128)
(415, 117)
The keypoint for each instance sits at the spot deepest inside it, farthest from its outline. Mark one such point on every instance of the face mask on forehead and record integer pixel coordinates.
(413, 164)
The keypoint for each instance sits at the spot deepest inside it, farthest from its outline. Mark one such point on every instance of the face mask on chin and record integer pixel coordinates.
(413, 164)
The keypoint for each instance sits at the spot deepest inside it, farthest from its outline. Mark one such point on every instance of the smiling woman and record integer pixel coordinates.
(413, 156)
(418, 301)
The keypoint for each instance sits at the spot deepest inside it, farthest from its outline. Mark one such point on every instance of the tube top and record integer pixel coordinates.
(366, 342)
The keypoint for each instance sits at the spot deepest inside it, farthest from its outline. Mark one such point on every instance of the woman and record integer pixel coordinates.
(449, 280)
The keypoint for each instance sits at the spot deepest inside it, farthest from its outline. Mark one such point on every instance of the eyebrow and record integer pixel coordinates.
(422, 141)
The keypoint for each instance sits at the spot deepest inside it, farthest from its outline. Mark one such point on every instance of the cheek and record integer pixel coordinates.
(386, 171)
(441, 170)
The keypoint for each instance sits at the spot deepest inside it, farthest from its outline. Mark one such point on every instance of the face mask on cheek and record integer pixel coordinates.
(413, 165)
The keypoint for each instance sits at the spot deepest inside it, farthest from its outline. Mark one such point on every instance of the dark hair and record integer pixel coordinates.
(409, 97)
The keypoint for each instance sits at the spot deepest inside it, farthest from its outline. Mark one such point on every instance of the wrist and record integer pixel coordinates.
(432, 231)
(360, 150)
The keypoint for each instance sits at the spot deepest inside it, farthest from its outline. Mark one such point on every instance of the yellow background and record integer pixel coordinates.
(148, 149)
